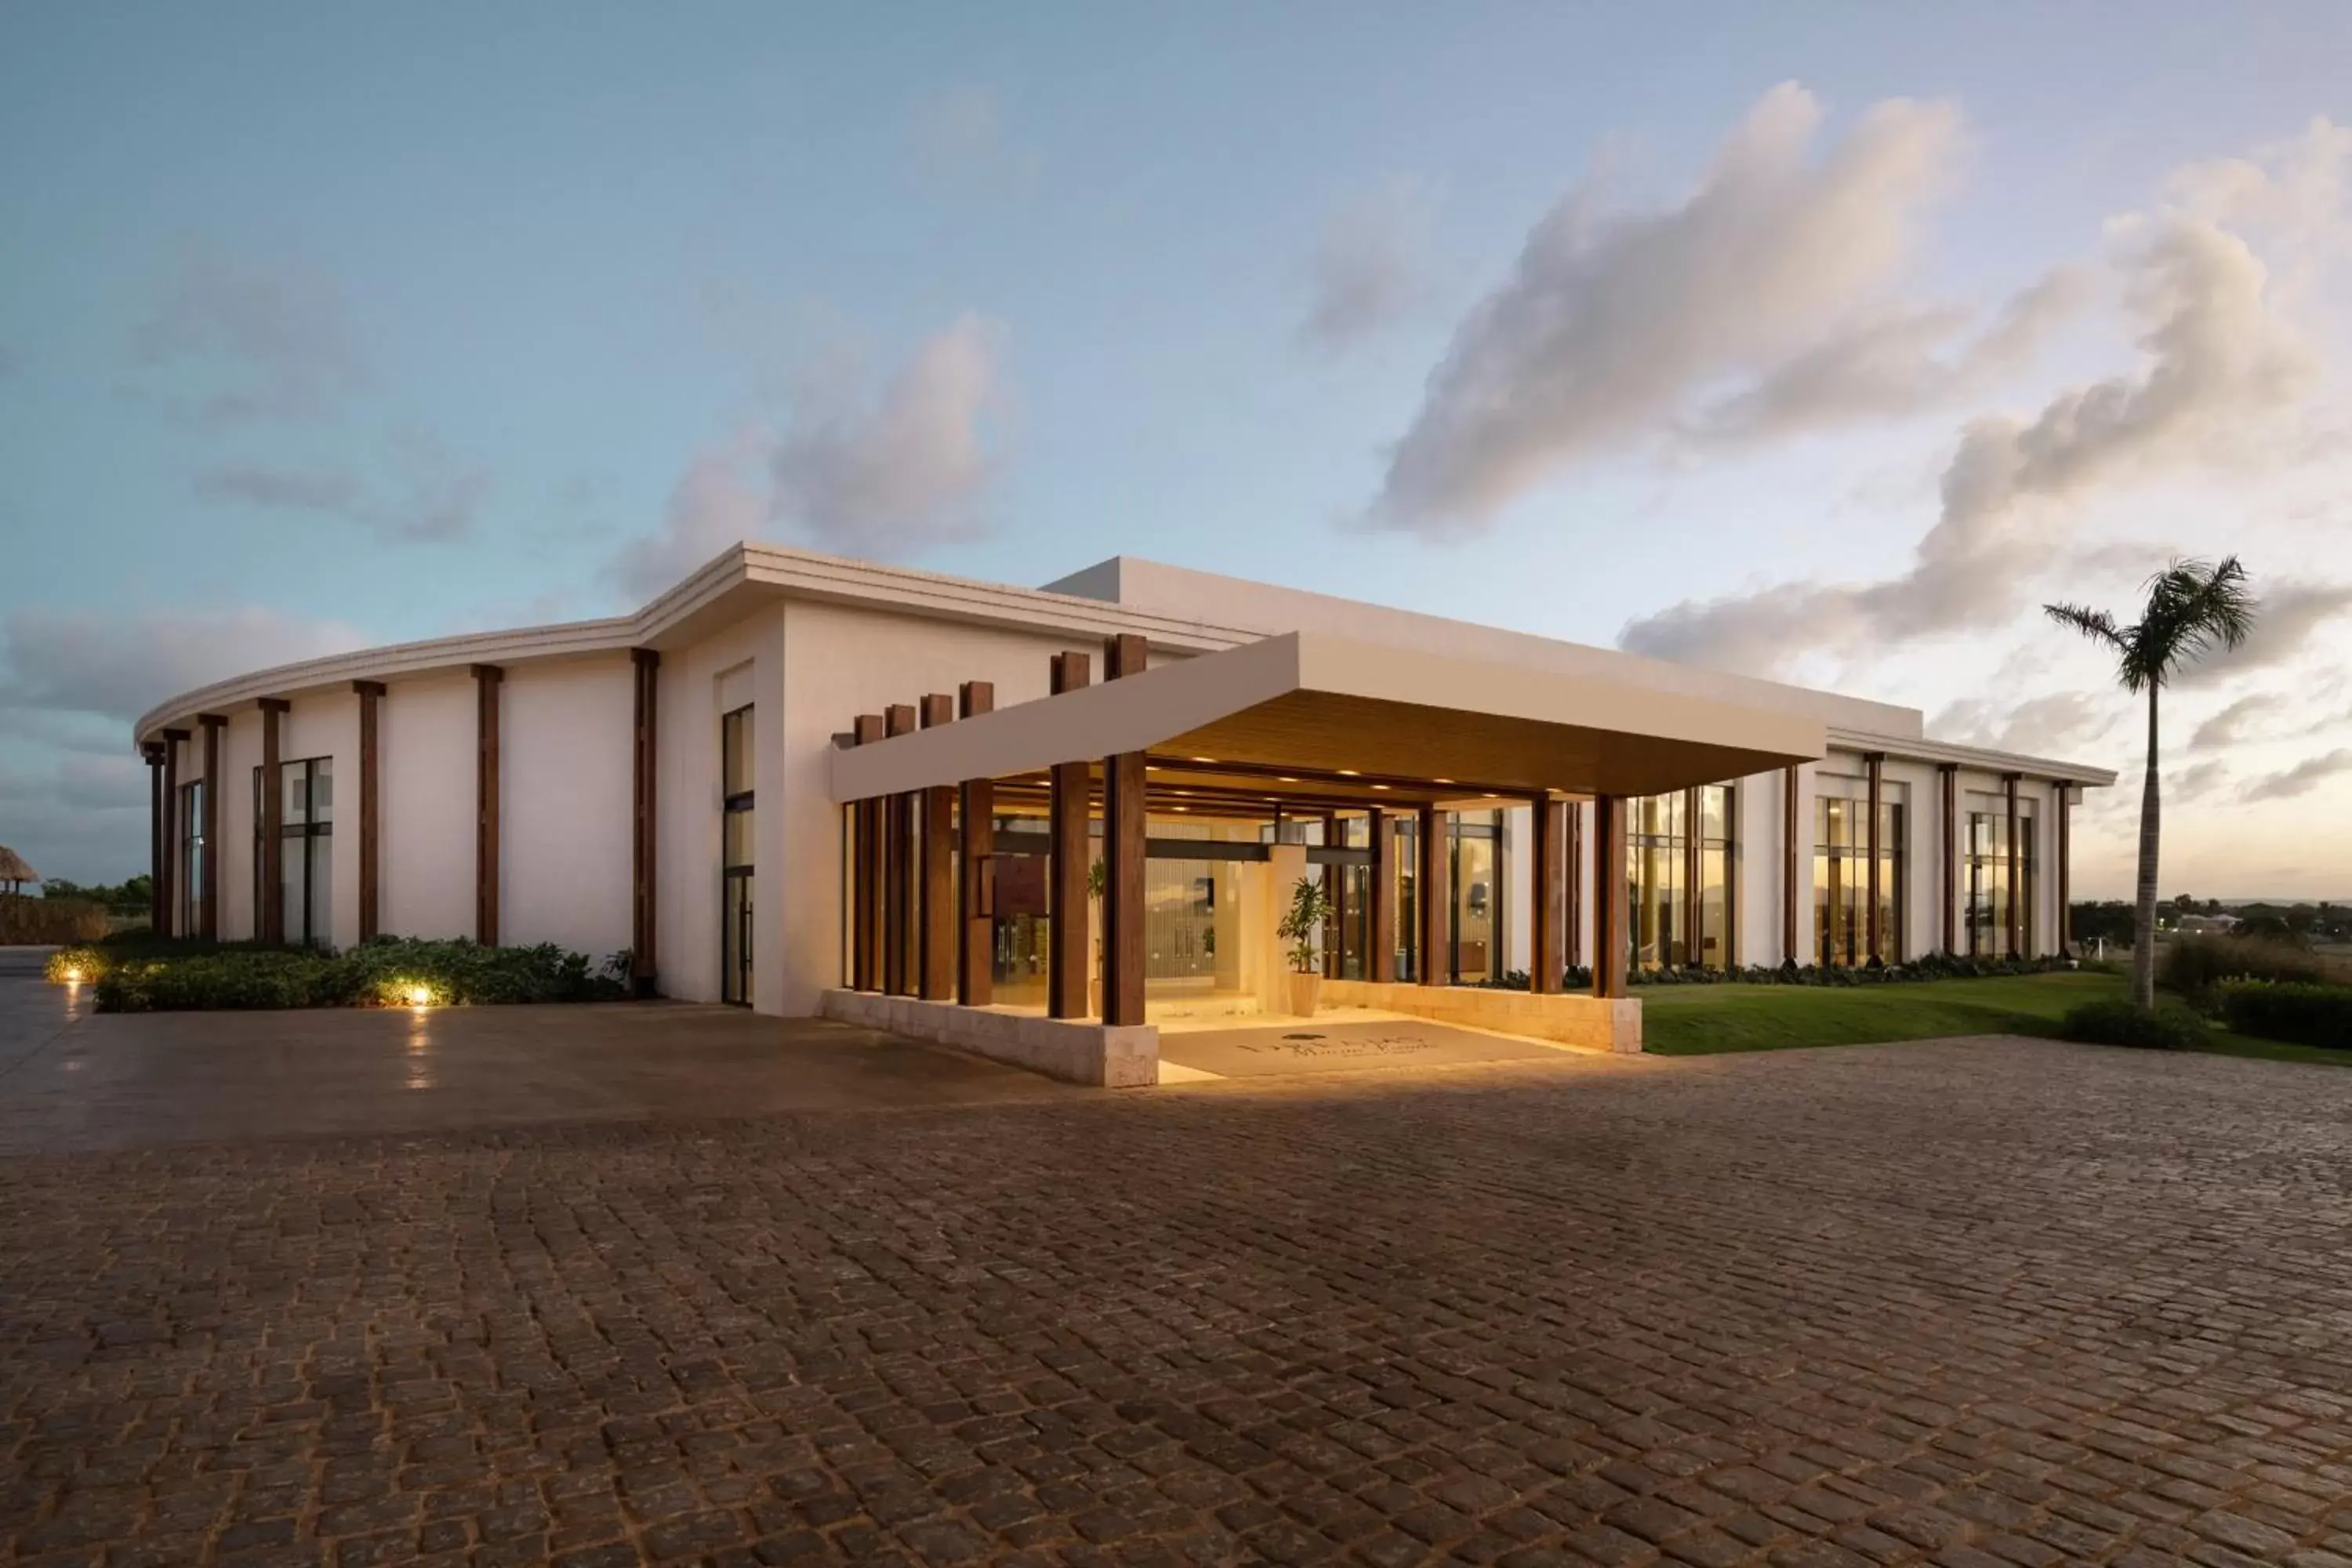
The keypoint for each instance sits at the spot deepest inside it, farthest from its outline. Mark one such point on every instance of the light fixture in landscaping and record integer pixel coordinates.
(73, 976)
(419, 995)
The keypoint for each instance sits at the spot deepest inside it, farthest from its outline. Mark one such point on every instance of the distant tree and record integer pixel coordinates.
(2190, 609)
(2183, 902)
(2109, 918)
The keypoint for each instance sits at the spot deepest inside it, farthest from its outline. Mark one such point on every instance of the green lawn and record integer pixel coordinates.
(1701, 1020)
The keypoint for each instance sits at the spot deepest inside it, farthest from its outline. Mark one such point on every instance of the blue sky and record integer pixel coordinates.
(323, 328)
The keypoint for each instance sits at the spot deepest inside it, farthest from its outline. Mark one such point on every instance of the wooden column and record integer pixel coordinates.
(898, 957)
(1383, 964)
(2016, 885)
(1875, 764)
(1571, 925)
(2066, 794)
(488, 678)
(153, 751)
(208, 891)
(935, 968)
(976, 821)
(644, 837)
(1609, 933)
(371, 807)
(1547, 903)
(1950, 858)
(866, 875)
(1436, 952)
(173, 829)
(269, 913)
(1123, 853)
(1792, 862)
(1067, 866)
(1335, 898)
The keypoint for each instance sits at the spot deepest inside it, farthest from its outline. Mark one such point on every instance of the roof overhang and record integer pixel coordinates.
(1335, 705)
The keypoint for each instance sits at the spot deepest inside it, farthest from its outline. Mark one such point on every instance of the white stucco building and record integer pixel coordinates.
(675, 783)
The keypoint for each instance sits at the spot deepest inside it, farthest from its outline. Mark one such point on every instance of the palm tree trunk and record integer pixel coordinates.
(2142, 982)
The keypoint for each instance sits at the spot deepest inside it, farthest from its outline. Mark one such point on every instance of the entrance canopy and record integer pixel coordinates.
(1325, 722)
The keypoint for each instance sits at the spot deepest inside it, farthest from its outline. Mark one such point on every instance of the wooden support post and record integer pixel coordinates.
(175, 895)
(1792, 861)
(1571, 925)
(2066, 794)
(1435, 897)
(1381, 966)
(1069, 866)
(208, 890)
(976, 822)
(1123, 854)
(157, 882)
(865, 876)
(2016, 863)
(269, 908)
(487, 679)
(1609, 896)
(644, 839)
(936, 957)
(1335, 889)
(1546, 900)
(371, 807)
(898, 955)
(1876, 925)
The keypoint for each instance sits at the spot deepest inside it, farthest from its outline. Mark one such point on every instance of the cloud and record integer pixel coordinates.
(1370, 267)
(1609, 326)
(232, 342)
(2220, 366)
(328, 492)
(2194, 784)
(961, 142)
(2301, 779)
(2040, 726)
(885, 475)
(2228, 727)
(2284, 621)
(83, 661)
(432, 499)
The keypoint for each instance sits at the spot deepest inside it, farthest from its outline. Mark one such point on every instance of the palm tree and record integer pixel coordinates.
(2191, 609)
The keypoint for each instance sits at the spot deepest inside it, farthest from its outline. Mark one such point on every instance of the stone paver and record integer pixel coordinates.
(1976, 1302)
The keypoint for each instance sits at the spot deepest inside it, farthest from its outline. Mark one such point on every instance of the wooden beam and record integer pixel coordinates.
(1792, 861)
(1123, 854)
(976, 822)
(2016, 889)
(2065, 792)
(208, 891)
(898, 958)
(644, 839)
(270, 914)
(1070, 865)
(1547, 902)
(157, 883)
(935, 967)
(487, 679)
(1433, 893)
(371, 807)
(866, 875)
(1950, 858)
(172, 829)
(1383, 964)
(1609, 897)
(1874, 763)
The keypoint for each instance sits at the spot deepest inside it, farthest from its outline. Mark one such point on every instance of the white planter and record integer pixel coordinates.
(1306, 994)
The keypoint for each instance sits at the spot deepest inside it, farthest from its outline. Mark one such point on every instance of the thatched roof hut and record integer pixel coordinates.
(14, 872)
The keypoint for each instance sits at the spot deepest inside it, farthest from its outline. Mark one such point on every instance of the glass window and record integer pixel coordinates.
(1656, 882)
(305, 891)
(1477, 918)
(192, 857)
(736, 746)
(1987, 883)
(738, 825)
(1716, 885)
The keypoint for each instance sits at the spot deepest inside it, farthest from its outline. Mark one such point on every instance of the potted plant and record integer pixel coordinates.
(1310, 909)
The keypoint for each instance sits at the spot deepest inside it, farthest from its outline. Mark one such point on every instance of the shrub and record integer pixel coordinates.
(2289, 1010)
(39, 921)
(392, 972)
(2193, 965)
(2169, 1028)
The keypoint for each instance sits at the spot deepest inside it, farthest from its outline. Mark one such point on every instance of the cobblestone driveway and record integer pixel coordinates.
(1964, 1302)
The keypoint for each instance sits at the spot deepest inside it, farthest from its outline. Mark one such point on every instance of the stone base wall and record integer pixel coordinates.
(1076, 1050)
(1572, 1018)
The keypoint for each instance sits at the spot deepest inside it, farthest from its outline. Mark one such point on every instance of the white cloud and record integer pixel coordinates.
(427, 498)
(1370, 266)
(230, 340)
(887, 475)
(2221, 367)
(2195, 782)
(84, 662)
(2285, 620)
(2230, 726)
(2048, 725)
(2302, 778)
(1609, 326)
(962, 142)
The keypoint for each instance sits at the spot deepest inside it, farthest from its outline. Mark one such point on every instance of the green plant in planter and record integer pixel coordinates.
(1310, 909)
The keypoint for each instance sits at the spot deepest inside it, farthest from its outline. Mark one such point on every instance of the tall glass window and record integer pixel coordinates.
(736, 746)
(305, 859)
(1477, 844)
(1717, 914)
(192, 857)
(1841, 881)
(1657, 885)
(1408, 903)
(1987, 883)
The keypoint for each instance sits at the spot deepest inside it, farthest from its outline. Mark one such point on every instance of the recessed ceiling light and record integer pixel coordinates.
(1441, 781)
(1380, 787)
(1204, 759)
(1284, 778)
(1492, 795)
(1349, 773)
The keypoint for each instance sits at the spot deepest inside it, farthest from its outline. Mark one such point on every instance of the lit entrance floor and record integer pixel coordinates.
(1283, 1047)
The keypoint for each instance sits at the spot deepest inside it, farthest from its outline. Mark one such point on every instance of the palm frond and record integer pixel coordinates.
(2097, 625)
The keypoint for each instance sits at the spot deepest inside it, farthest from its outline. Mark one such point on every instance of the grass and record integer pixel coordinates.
(1704, 1020)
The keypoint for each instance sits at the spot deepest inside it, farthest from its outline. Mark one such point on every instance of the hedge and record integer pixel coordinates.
(2167, 1028)
(2289, 1010)
(2193, 967)
(394, 971)
(1933, 966)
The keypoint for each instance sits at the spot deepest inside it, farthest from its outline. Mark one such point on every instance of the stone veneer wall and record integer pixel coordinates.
(1572, 1018)
(1077, 1050)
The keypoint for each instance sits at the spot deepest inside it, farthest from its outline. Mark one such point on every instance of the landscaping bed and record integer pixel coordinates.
(148, 974)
